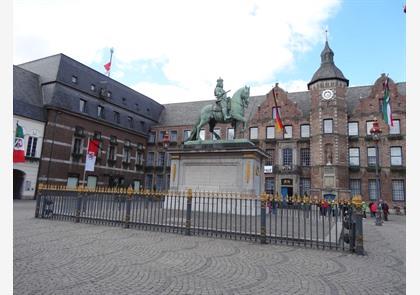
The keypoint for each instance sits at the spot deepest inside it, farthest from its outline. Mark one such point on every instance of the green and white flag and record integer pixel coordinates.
(386, 104)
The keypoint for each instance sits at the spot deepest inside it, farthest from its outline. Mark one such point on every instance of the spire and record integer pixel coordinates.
(328, 70)
(327, 55)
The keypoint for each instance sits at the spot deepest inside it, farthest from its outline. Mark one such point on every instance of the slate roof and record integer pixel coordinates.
(27, 99)
(186, 113)
(61, 68)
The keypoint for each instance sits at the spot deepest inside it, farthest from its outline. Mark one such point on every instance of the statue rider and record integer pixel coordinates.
(222, 99)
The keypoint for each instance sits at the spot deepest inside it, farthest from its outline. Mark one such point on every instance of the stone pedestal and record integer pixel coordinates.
(218, 166)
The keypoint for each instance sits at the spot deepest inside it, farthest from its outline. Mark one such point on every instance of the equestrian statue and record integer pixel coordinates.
(225, 110)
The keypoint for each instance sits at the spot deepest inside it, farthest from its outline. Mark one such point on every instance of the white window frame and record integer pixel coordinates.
(230, 133)
(371, 152)
(91, 181)
(270, 132)
(253, 133)
(186, 134)
(369, 125)
(353, 131)
(354, 153)
(396, 156)
(303, 131)
(202, 134)
(396, 129)
(288, 131)
(217, 131)
(328, 129)
(82, 105)
(72, 181)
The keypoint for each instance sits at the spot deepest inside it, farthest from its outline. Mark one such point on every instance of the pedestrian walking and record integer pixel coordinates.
(373, 209)
(364, 209)
(385, 209)
(370, 209)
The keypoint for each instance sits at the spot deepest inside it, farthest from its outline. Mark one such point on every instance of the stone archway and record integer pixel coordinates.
(18, 179)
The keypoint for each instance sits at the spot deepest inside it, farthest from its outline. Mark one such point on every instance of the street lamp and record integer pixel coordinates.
(166, 141)
(375, 131)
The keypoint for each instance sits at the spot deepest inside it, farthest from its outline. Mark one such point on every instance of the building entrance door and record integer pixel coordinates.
(329, 197)
(18, 178)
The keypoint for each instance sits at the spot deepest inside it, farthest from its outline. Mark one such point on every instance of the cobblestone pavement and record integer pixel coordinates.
(62, 257)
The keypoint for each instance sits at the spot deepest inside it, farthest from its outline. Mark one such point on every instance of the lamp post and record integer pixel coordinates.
(166, 141)
(375, 131)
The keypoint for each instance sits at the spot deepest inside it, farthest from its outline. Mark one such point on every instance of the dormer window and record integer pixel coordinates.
(74, 79)
(109, 94)
(92, 87)
(124, 101)
(117, 117)
(101, 111)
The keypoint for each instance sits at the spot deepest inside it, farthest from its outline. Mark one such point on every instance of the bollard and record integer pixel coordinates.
(189, 205)
(263, 229)
(38, 199)
(79, 203)
(357, 230)
(128, 208)
(358, 233)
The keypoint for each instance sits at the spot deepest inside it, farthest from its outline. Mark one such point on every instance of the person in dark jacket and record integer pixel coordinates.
(385, 209)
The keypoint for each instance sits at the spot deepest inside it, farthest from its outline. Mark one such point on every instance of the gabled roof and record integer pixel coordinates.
(187, 113)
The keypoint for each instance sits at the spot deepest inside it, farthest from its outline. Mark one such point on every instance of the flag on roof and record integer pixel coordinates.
(386, 104)
(107, 67)
(18, 147)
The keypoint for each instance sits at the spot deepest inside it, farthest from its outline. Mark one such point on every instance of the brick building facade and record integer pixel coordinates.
(80, 104)
(325, 149)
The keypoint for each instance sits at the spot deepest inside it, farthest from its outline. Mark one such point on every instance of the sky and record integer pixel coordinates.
(174, 51)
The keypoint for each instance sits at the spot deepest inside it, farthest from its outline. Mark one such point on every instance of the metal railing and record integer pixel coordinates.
(267, 219)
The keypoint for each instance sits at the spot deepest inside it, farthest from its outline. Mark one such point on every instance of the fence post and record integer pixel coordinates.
(263, 229)
(128, 207)
(38, 199)
(79, 203)
(358, 225)
(189, 205)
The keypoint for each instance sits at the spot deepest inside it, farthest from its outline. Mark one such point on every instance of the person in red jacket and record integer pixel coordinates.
(373, 209)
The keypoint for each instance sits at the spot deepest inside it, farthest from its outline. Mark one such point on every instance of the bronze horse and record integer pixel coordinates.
(213, 115)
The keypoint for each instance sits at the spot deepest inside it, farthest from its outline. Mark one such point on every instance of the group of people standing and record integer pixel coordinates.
(373, 208)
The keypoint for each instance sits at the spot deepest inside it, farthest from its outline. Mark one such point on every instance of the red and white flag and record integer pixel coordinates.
(107, 67)
(18, 147)
(91, 154)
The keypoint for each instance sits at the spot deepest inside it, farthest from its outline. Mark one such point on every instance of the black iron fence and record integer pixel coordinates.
(301, 221)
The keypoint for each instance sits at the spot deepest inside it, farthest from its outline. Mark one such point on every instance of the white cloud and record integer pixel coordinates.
(244, 42)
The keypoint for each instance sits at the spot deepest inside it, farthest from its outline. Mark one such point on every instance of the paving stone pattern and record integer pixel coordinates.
(62, 257)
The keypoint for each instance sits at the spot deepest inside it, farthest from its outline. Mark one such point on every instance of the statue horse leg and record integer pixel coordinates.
(239, 119)
(212, 123)
(204, 119)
